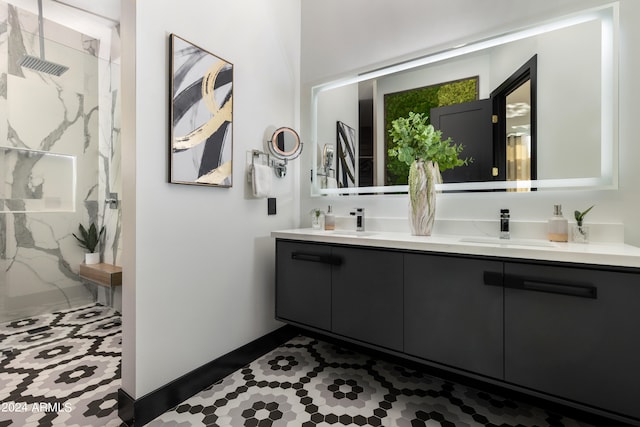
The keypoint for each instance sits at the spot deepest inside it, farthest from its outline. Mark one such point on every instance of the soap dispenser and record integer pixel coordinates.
(558, 230)
(329, 220)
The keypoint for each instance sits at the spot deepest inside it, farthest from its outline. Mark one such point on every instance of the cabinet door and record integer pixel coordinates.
(367, 296)
(303, 283)
(573, 332)
(451, 316)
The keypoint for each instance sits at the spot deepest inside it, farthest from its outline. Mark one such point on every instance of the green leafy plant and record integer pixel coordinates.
(316, 212)
(580, 215)
(414, 138)
(89, 239)
(421, 100)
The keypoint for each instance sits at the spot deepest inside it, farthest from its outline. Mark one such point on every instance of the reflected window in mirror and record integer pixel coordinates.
(515, 130)
(518, 124)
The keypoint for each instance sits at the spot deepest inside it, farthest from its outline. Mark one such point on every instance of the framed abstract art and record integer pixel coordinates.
(346, 161)
(201, 122)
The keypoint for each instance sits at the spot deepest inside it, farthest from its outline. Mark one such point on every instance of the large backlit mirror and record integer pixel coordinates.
(550, 94)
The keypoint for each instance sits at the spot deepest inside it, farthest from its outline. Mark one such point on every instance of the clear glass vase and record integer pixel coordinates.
(580, 234)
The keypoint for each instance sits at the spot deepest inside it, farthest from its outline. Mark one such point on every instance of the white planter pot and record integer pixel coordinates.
(93, 258)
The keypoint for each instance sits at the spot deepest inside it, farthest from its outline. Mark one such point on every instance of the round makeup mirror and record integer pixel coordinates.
(285, 144)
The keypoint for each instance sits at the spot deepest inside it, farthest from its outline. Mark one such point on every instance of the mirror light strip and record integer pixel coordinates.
(462, 49)
(609, 112)
(593, 182)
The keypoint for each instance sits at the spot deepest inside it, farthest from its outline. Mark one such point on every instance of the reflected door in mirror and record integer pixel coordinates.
(468, 124)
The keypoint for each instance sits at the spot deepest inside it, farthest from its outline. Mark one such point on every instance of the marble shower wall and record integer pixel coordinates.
(45, 123)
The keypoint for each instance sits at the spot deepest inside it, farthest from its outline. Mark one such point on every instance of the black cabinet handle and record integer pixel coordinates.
(582, 290)
(492, 278)
(321, 258)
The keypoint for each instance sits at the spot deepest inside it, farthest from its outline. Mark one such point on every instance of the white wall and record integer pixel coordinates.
(369, 33)
(198, 261)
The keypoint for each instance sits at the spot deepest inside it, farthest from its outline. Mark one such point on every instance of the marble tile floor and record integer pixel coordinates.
(307, 382)
(61, 369)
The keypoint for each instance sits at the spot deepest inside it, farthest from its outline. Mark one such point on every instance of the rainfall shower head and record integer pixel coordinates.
(41, 64)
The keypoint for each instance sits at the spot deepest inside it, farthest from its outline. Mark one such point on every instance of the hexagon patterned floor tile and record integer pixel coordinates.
(307, 383)
(63, 370)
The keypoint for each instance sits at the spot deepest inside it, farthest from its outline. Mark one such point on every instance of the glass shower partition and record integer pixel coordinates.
(58, 144)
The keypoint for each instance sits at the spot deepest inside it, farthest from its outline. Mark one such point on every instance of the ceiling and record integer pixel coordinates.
(109, 9)
(95, 18)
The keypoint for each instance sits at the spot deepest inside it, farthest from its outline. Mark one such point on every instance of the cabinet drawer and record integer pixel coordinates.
(450, 315)
(573, 333)
(367, 296)
(303, 283)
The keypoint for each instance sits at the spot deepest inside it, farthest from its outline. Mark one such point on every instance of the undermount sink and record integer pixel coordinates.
(509, 242)
(351, 233)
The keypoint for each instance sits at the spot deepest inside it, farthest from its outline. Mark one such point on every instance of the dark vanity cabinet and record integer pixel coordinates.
(366, 296)
(574, 332)
(303, 277)
(353, 292)
(561, 330)
(450, 315)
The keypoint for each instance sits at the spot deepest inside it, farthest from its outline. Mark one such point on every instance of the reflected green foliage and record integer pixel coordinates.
(421, 100)
(415, 139)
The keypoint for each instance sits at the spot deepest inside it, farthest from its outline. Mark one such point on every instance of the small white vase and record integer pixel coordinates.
(92, 258)
(423, 177)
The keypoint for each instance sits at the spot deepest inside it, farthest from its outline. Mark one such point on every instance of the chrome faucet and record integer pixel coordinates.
(359, 214)
(504, 224)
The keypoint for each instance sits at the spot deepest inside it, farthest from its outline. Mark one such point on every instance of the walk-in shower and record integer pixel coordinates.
(59, 157)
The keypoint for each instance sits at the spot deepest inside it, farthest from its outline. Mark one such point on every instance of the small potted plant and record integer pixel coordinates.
(315, 217)
(418, 144)
(89, 239)
(581, 231)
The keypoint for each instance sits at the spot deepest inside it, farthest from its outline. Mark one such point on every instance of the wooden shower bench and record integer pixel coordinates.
(102, 274)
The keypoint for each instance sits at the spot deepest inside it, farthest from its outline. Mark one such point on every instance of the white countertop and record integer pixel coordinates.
(613, 254)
